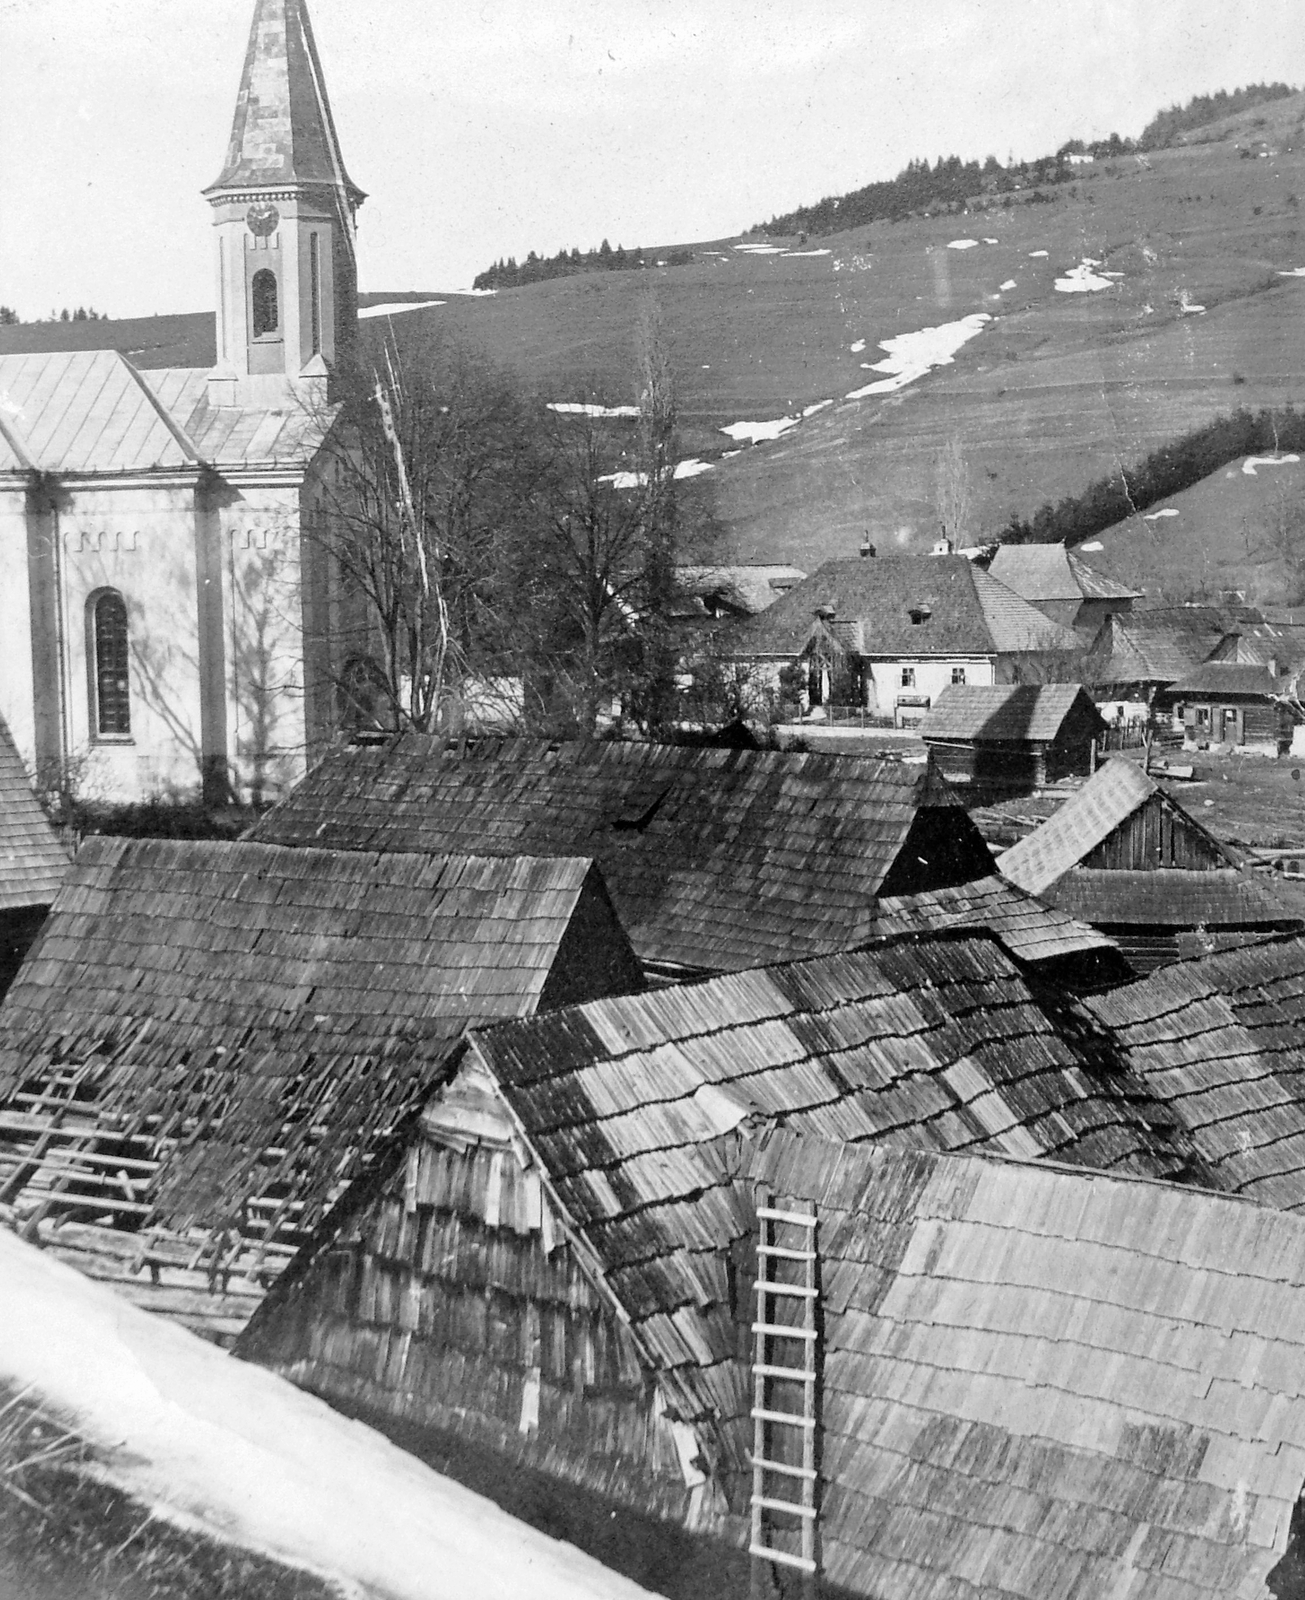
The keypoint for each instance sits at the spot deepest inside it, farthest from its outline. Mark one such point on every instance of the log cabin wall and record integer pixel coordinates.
(1157, 834)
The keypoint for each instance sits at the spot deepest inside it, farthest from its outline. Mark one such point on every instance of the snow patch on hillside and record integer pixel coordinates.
(1295, 272)
(791, 254)
(691, 467)
(757, 432)
(911, 355)
(992, 241)
(1154, 516)
(206, 1440)
(574, 408)
(395, 308)
(810, 411)
(1009, 284)
(1082, 279)
(858, 347)
(762, 249)
(1034, 254)
(1252, 462)
(963, 244)
(1092, 544)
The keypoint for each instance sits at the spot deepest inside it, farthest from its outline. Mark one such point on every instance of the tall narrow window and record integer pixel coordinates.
(315, 285)
(112, 692)
(267, 314)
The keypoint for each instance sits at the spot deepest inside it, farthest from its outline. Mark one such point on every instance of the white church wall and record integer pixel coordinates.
(17, 701)
(138, 539)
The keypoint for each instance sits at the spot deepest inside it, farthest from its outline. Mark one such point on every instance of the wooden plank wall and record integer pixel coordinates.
(1157, 834)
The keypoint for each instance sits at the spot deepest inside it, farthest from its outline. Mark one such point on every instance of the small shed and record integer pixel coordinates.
(1005, 739)
(33, 862)
(968, 1372)
(1124, 855)
(1233, 704)
(211, 1040)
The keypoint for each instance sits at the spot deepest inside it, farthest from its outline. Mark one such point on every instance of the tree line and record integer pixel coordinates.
(1167, 127)
(508, 274)
(1166, 471)
(9, 318)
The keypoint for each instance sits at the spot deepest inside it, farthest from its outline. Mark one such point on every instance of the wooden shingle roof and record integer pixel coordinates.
(1030, 930)
(1223, 679)
(260, 1017)
(1050, 572)
(1221, 1040)
(1224, 897)
(1113, 792)
(1006, 713)
(716, 859)
(961, 610)
(32, 860)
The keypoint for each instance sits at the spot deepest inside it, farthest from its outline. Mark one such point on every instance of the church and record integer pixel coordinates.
(165, 610)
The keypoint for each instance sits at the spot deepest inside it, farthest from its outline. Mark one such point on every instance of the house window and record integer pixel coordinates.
(958, 674)
(109, 687)
(908, 677)
(1202, 716)
(263, 296)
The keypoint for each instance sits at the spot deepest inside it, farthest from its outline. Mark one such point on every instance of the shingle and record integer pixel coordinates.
(33, 862)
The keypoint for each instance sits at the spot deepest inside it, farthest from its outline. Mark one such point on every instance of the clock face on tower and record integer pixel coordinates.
(262, 218)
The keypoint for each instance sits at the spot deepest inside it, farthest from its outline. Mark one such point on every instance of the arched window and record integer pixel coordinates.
(110, 687)
(262, 291)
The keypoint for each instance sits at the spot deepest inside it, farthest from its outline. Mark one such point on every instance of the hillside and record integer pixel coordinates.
(1186, 314)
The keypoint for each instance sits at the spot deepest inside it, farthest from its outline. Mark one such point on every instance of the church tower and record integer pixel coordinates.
(284, 210)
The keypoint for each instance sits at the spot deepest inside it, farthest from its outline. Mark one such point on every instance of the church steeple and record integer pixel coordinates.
(284, 211)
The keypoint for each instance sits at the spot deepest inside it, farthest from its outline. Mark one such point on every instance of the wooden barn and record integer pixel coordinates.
(716, 860)
(1126, 857)
(1005, 739)
(1233, 704)
(1220, 1039)
(211, 1040)
(741, 1275)
(33, 862)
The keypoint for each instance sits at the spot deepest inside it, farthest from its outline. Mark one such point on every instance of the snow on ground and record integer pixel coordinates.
(992, 241)
(858, 347)
(576, 409)
(963, 244)
(1034, 254)
(762, 249)
(810, 411)
(911, 355)
(791, 253)
(756, 432)
(689, 468)
(211, 1442)
(395, 307)
(1082, 279)
(1252, 462)
(1093, 544)
(1009, 284)
(1188, 307)
(1296, 272)
(1154, 516)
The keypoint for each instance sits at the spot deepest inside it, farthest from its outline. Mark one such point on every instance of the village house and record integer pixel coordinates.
(890, 633)
(1002, 739)
(1232, 704)
(1061, 585)
(166, 606)
(723, 594)
(1125, 856)
(33, 862)
(212, 1040)
(716, 859)
(741, 1275)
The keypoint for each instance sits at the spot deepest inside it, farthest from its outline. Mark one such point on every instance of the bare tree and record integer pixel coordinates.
(954, 492)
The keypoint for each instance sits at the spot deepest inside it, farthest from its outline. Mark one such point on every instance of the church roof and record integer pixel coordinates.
(92, 411)
(283, 132)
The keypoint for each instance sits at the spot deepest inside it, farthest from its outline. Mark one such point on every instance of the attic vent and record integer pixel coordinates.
(920, 612)
(824, 613)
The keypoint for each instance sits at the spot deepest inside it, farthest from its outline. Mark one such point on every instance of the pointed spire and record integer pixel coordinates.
(283, 134)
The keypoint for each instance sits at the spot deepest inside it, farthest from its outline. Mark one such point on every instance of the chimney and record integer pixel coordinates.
(867, 549)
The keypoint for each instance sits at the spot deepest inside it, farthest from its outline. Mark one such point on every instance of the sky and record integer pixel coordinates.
(487, 128)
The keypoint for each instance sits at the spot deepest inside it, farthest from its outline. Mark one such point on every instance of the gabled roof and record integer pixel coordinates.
(716, 859)
(968, 611)
(1051, 572)
(1221, 679)
(1001, 713)
(1149, 647)
(283, 133)
(1109, 797)
(1030, 930)
(33, 862)
(1171, 897)
(744, 589)
(278, 1011)
(93, 412)
(1221, 1039)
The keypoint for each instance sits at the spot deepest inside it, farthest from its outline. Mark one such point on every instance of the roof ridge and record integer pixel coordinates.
(179, 434)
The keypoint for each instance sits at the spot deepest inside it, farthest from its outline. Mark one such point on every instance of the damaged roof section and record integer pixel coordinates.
(216, 1036)
(717, 860)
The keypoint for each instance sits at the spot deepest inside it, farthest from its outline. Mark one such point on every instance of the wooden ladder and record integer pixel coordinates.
(785, 1370)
